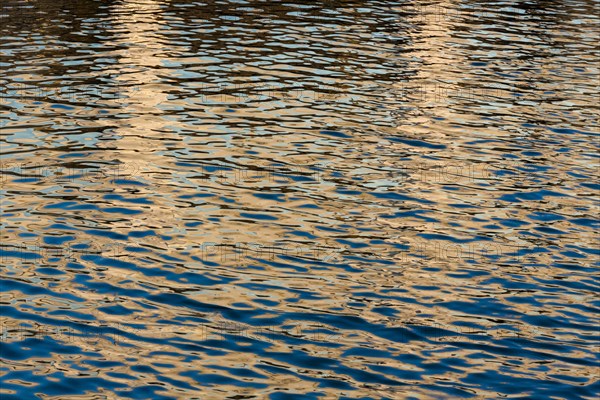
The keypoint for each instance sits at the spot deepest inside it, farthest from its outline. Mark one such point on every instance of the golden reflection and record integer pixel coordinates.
(342, 209)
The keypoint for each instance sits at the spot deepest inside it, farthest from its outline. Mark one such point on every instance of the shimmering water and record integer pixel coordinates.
(252, 200)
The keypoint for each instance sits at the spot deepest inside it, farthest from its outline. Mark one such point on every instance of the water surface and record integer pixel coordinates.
(249, 199)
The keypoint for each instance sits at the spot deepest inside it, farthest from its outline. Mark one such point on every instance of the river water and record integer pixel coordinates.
(333, 199)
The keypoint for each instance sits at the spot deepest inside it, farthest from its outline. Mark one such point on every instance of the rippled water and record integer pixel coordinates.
(249, 199)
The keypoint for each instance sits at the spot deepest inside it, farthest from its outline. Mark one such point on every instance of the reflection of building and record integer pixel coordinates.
(432, 81)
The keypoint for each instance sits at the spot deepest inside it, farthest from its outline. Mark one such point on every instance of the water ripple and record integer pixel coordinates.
(359, 199)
